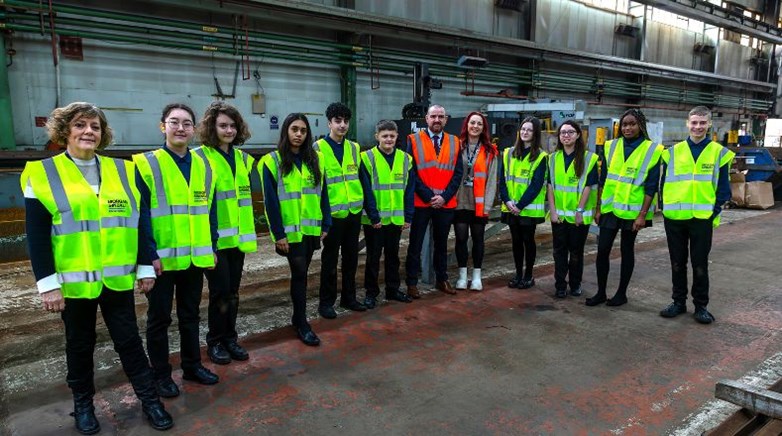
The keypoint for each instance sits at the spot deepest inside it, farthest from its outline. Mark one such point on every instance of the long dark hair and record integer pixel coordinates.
(640, 117)
(580, 146)
(537, 139)
(308, 154)
(484, 140)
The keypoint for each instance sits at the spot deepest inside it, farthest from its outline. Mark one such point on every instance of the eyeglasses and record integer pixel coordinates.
(176, 124)
(567, 132)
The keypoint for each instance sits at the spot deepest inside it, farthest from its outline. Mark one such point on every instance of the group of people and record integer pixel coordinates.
(182, 213)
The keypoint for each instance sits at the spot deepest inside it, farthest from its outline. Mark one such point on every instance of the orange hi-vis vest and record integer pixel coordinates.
(435, 171)
(480, 174)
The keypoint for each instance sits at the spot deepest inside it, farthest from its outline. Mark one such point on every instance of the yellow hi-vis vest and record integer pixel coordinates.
(179, 212)
(691, 187)
(568, 187)
(345, 192)
(623, 193)
(298, 195)
(388, 184)
(235, 221)
(94, 237)
(518, 176)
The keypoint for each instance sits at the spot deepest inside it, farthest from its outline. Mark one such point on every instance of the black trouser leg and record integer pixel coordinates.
(223, 282)
(119, 314)
(700, 246)
(530, 249)
(79, 319)
(678, 236)
(421, 219)
(160, 302)
(477, 231)
(517, 244)
(462, 232)
(559, 233)
(441, 227)
(189, 285)
(299, 258)
(605, 243)
(627, 246)
(391, 235)
(329, 261)
(577, 240)
(374, 241)
(350, 257)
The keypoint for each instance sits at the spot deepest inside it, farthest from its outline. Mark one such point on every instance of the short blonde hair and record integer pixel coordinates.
(58, 126)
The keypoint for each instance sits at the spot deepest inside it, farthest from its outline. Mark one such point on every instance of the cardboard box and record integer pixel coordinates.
(738, 192)
(759, 195)
(737, 178)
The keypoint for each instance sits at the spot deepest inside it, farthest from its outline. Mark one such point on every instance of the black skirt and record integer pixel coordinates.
(611, 221)
(509, 218)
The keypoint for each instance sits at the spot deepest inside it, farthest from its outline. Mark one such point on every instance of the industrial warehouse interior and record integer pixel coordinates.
(497, 357)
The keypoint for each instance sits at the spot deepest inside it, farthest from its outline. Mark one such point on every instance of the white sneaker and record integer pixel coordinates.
(462, 282)
(476, 284)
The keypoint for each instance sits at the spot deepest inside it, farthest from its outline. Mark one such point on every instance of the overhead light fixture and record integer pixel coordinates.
(471, 62)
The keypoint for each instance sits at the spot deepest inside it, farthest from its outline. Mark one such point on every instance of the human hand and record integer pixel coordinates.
(405, 226)
(158, 266)
(282, 244)
(437, 201)
(145, 285)
(53, 301)
(639, 222)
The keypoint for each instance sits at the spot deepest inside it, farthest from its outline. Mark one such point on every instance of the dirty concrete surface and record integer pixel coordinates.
(501, 361)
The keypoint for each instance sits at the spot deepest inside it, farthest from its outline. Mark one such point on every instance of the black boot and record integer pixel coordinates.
(84, 411)
(153, 409)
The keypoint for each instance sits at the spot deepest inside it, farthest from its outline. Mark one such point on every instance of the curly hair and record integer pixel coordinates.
(308, 154)
(484, 138)
(537, 139)
(207, 128)
(339, 110)
(58, 126)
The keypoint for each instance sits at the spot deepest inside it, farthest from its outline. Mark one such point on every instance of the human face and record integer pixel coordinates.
(568, 135)
(698, 126)
(386, 139)
(178, 128)
(527, 132)
(226, 129)
(475, 126)
(436, 119)
(338, 128)
(83, 137)
(297, 132)
(630, 127)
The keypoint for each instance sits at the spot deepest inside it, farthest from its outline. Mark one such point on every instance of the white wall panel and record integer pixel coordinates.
(733, 60)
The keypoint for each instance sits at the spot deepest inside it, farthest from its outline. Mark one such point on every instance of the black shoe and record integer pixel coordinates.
(703, 316)
(515, 282)
(218, 354)
(84, 412)
(527, 283)
(201, 375)
(598, 298)
(370, 302)
(327, 312)
(166, 388)
(354, 306)
(398, 296)
(674, 309)
(308, 336)
(236, 351)
(157, 416)
(576, 292)
(617, 300)
(560, 293)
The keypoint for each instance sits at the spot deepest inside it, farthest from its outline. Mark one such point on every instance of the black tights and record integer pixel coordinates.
(603, 262)
(463, 232)
(299, 258)
(524, 248)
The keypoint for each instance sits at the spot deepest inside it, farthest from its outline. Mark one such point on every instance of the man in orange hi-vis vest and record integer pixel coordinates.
(437, 172)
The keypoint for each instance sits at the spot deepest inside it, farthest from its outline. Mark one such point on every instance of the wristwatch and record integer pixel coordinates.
(579, 210)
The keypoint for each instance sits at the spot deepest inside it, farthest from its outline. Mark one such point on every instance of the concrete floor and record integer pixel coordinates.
(500, 361)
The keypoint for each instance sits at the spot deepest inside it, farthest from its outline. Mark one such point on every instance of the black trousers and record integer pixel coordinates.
(343, 235)
(384, 239)
(119, 314)
(441, 225)
(223, 282)
(689, 238)
(187, 285)
(569, 240)
(605, 243)
(299, 258)
(524, 248)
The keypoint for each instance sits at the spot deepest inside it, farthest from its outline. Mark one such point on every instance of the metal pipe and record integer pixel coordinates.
(7, 141)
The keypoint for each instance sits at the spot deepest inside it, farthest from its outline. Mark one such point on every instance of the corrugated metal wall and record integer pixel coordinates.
(733, 60)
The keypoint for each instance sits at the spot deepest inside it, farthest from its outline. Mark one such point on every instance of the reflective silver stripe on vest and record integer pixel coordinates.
(199, 210)
(551, 167)
(69, 225)
(391, 213)
(123, 177)
(480, 174)
(224, 195)
(173, 252)
(717, 166)
(566, 188)
(118, 271)
(202, 251)
(282, 194)
(533, 206)
(245, 202)
(207, 169)
(225, 233)
(339, 207)
(688, 206)
(627, 207)
(640, 177)
(582, 179)
(611, 150)
(245, 158)
(389, 187)
(166, 211)
(688, 177)
(479, 200)
(113, 222)
(247, 237)
(586, 213)
(292, 229)
(373, 166)
(79, 277)
(311, 223)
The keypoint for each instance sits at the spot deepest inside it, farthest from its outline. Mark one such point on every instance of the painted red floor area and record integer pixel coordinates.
(500, 361)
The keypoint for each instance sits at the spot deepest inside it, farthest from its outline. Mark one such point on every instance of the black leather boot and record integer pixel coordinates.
(153, 409)
(84, 411)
